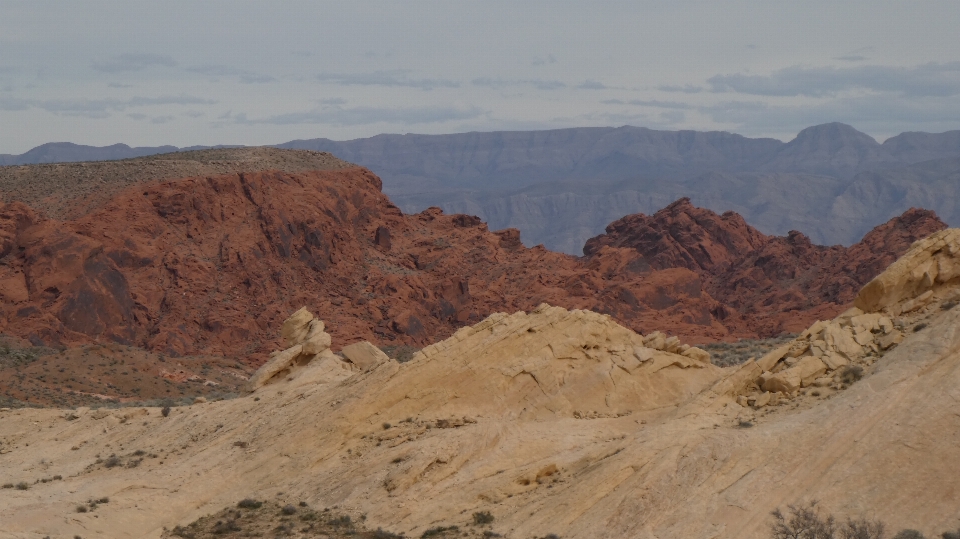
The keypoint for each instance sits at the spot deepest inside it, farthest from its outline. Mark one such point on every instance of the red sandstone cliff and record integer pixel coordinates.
(214, 264)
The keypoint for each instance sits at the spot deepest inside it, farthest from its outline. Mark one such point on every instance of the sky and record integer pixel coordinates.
(237, 72)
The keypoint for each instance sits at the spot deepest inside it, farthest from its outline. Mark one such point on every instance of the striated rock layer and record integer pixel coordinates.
(756, 277)
(554, 421)
(208, 265)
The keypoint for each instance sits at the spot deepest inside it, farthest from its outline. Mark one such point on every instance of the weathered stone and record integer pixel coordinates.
(912, 274)
(642, 353)
(270, 369)
(772, 357)
(672, 345)
(655, 340)
(833, 361)
(364, 355)
(798, 348)
(786, 381)
(917, 302)
(296, 327)
(698, 354)
(841, 340)
(762, 399)
(818, 348)
(890, 340)
(316, 343)
(742, 401)
(809, 369)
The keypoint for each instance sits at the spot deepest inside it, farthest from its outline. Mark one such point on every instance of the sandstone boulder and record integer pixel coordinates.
(364, 355)
(808, 369)
(698, 354)
(295, 328)
(786, 381)
(772, 357)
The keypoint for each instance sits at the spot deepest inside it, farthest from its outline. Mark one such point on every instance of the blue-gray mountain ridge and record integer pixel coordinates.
(561, 187)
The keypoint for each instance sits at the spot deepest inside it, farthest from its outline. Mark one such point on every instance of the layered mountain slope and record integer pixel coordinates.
(552, 421)
(561, 187)
(207, 265)
(751, 273)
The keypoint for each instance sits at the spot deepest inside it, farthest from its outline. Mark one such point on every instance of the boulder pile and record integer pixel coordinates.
(308, 343)
(822, 356)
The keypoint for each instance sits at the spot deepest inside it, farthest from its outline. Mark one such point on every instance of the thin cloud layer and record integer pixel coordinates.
(932, 79)
(133, 62)
(395, 78)
(367, 115)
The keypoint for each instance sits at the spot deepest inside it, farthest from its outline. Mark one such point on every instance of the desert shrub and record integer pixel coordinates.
(222, 527)
(909, 534)
(951, 535)
(919, 326)
(386, 426)
(744, 424)
(22, 485)
(112, 461)
(249, 503)
(288, 510)
(482, 517)
(862, 529)
(8, 485)
(805, 522)
(81, 508)
(180, 531)
(384, 534)
(165, 411)
(802, 522)
(946, 306)
(851, 374)
(343, 521)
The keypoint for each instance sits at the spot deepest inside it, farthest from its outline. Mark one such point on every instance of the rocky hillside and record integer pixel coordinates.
(751, 273)
(548, 423)
(209, 264)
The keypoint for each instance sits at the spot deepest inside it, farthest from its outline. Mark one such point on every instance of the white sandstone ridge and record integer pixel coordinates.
(913, 287)
(576, 360)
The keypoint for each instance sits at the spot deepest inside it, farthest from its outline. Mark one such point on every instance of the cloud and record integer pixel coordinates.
(538, 61)
(650, 103)
(394, 78)
(133, 62)
(137, 116)
(161, 119)
(367, 115)
(932, 79)
(97, 108)
(592, 85)
(851, 58)
(885, 112)
(539, 84)
(687, 89)
(217, 70)
(118, 85)
(333, 101)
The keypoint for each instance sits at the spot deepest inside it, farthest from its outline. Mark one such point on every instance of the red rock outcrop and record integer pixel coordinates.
(214, 264)
(774, 284)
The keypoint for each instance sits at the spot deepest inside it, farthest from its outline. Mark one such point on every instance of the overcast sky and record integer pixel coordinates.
(185, 73)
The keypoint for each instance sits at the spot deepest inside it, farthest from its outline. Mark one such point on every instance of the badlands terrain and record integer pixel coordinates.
(552, 421)
(258, 342)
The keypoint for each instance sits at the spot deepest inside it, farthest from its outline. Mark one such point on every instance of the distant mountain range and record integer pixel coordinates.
(561, 187)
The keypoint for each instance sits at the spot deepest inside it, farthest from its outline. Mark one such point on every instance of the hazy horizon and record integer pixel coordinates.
(248, 73)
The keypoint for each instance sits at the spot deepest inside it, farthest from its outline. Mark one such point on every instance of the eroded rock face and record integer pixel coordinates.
(772, 284)
(210, 264)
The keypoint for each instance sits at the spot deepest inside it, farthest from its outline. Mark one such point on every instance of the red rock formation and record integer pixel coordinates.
(775, 284)
(212, 265)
